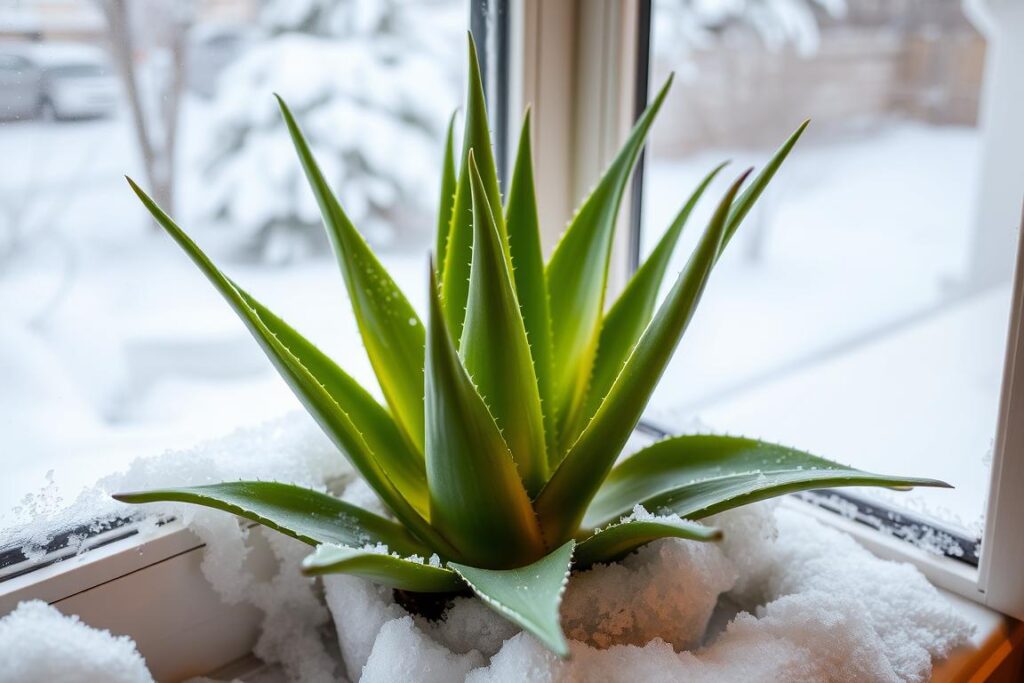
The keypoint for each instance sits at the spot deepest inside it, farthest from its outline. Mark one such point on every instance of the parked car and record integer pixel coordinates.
(58, 80)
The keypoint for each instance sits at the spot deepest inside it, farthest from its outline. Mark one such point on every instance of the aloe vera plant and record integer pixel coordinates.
(495, 451)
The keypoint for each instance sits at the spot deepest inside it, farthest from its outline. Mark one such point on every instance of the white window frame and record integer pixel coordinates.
(574, 62)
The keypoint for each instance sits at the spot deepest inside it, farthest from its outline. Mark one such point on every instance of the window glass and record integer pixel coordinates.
(861, 312)
(113, 345)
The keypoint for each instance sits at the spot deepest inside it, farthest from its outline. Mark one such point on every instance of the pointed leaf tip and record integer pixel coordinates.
(528, 596)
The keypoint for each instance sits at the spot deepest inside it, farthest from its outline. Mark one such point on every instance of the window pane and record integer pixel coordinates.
(113, 345)
(858, 314)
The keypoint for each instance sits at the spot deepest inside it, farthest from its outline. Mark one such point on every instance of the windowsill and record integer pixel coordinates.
(996, 637)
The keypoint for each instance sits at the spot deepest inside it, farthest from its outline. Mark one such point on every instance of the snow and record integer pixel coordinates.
(597, 611)
(38, 643)
(782, 597)
(809, 604)
(402, 652)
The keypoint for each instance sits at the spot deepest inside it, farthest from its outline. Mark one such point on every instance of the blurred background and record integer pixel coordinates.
(853, 317)
(862, 311)
(112, 345)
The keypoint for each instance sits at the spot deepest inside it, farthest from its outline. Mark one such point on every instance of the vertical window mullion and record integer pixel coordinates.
(642, 84)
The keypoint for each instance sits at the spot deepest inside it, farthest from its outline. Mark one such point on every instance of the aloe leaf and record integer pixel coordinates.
(528, 596)
(403, 465)
(753, 191)
(476, 138)
(494, 348)
(321, 405)
(563, 501)
(632, 311)
(621, 538)
(310, 516)
(697, 476)
(447, 199)
(523, 226)
(391, 571)
(476, 497)
(577, 274)
(391, 331)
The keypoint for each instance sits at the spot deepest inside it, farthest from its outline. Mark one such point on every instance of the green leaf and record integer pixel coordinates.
(621, 538)
(325, 410)
(391, 571)
(476, 497)
(476, 138)
(494, 348)
(697, 476)
(447, 199)
(391, 331)
(403, 465)
(633, 310)
(577, 275)
(563, 501)
(750, 195)
(523, 227)
(528, 596)
(310, 516)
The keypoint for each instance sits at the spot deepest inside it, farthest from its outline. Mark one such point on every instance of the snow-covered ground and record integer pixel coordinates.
(838, 320)
(114, 346)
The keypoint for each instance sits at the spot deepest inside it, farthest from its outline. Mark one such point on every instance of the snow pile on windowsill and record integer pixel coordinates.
(781, 598)
(38, 643)
(809, 604)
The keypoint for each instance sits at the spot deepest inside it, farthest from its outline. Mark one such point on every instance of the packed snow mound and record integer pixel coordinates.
(812, 606)
(38, 643)
(781, 598)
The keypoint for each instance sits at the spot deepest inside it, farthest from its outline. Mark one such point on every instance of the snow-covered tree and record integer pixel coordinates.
(372, 82)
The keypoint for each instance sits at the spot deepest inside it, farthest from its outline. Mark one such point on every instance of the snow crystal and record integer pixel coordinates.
(38, 643)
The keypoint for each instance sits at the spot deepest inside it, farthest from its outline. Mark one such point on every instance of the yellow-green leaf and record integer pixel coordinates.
(747, 199)
(523, 226)
(476, 138)
(321, 405)
(632, 311)
(563, 501)
(447, 199)
(700, 475)
(621, 538)
(476, 497)
(309, 516)
(403, 465)
(391, 331)
(577, 275)
(388, 570)
(494, 347)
